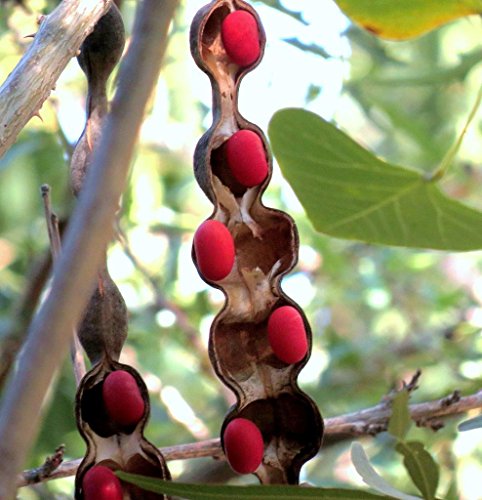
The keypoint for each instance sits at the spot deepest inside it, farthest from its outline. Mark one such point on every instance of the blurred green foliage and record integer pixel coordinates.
(377, 313)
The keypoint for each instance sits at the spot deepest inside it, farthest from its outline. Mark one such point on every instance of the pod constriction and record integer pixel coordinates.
(260, 340)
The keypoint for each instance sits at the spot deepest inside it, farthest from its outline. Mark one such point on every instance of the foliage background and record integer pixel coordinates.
(377, 313)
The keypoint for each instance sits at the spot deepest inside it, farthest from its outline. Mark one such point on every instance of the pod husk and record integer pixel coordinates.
(266, 242)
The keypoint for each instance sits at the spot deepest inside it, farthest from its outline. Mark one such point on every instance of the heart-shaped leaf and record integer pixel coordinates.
(349, 193)
(402, 19)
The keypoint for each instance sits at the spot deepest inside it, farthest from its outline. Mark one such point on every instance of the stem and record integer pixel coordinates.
(87, 236)
(369, 421)
(76, 351)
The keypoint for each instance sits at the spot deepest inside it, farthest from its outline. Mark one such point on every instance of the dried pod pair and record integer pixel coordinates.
(261, 339)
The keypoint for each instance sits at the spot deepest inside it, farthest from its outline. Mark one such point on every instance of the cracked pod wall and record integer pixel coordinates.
(261, 339)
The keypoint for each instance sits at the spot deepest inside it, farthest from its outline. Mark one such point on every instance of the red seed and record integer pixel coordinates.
(246, 158)
(240, 35)
(122, 398)
(243, 445)
(100, 483)
(214, 249)
(287, 334)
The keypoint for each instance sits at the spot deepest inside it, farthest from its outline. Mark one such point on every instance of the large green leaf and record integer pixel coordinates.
(421, 466)
(400, 420)
(349, 193)
(402, 19)
(222, 492)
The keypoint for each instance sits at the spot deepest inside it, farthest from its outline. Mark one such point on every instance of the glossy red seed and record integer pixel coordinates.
(100, 483)
(243, 445)
(240, 35)
(246, 158)
(287, 334)
(214, 249)
(122, 398)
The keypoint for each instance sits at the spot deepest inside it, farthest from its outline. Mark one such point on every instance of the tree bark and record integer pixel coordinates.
(59, 38)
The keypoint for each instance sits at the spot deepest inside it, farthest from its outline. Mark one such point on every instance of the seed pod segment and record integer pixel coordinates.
(100, 483)
(287, 334)
(243, 445)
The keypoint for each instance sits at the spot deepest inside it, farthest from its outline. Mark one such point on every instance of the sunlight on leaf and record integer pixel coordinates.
(213, 492)
(349, 193)
(402, 19)
(371, 477)
(400, 420)
(421, 466)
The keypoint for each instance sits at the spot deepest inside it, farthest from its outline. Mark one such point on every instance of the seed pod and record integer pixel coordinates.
(98, 56)
(232, 165)
(117, 442)
(103, 328)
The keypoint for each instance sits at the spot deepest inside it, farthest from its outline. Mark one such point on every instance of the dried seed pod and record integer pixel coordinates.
(260, 370)
(112, 403)
(98, 56)
(115, 442)
(103, 328)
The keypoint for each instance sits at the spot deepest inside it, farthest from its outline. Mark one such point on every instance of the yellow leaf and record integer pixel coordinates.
(402, 19)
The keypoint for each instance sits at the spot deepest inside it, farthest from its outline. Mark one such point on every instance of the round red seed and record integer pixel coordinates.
(122, 398)
(214, 249)
(240, 35)
(243, 445)
(246, 158)
(100, 483)
(287, 334)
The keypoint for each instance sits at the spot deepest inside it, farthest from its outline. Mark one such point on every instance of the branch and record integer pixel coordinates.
(58, 40)
(89, 232)
(370, 421)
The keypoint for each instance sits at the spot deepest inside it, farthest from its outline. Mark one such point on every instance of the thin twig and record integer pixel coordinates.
(76, 351)
(88, 233)
(361, 423)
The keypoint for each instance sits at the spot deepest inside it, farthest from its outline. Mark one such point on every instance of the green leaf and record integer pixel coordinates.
(421, 466)
(371, 477)
(402, 19)
(400, 420)
(472, 424)
(349, 193)
(212, 492)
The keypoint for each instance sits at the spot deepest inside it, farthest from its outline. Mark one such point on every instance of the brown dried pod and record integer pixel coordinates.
(103, 328)
(99, 54)
(111, 416)
(246, 258)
